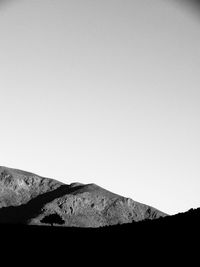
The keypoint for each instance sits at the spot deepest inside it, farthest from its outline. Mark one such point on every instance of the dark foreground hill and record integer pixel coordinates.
(158, 242)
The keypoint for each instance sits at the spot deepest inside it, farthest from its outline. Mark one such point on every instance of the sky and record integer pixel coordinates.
(104, 92)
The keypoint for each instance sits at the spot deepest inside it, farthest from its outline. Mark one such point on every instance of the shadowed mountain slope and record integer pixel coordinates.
(27, 198)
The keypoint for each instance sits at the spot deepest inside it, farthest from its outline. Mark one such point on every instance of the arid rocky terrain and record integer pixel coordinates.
(31, 208)
(26, 198)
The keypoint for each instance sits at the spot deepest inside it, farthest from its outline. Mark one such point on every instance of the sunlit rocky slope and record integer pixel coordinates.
(30, 199)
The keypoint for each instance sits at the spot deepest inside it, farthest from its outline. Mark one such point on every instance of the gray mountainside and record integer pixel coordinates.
(28, 198)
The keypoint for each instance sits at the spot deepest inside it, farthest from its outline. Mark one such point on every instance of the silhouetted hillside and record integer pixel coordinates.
(169, 238)
(180, 225)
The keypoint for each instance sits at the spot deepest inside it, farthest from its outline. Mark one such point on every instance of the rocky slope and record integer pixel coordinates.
(30, 199)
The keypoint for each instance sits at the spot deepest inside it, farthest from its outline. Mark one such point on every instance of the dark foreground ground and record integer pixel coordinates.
(145, 241)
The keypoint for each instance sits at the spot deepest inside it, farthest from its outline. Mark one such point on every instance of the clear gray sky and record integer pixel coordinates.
(104, 91)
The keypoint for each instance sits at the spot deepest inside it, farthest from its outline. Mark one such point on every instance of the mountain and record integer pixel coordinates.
(26, 198)
(31, 204)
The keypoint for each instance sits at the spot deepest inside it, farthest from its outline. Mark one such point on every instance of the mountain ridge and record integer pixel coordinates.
(28, 198)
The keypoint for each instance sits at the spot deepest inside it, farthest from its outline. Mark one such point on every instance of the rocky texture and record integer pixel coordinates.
(30, 199)
(18, 187)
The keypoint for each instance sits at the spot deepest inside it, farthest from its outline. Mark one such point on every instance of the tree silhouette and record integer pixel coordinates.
(53, 219)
